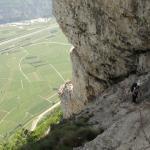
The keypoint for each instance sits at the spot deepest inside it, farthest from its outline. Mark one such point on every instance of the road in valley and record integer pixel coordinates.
(38, 118)
(27, 35)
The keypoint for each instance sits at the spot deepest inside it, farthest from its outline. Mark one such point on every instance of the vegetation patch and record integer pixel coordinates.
(65, 135)
(25, 137)
(62, 135)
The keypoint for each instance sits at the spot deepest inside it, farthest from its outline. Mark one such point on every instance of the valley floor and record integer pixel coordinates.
(34, 62)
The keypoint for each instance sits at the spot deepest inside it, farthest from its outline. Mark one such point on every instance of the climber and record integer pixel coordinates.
(135, 90)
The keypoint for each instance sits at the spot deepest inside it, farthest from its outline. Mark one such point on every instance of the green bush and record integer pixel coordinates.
(24, 137)
(64, 135)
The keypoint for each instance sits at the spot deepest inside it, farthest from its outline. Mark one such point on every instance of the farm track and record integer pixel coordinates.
(3, 119)
(22, 84)
(58, 43)
(20, 68)
(36, 121)
(59, 74)
(49, 98)
(7, 85)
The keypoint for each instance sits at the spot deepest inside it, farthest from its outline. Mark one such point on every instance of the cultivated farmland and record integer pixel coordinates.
(34, 62)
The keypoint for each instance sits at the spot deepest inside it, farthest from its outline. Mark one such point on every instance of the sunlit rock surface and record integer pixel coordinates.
(111, 40)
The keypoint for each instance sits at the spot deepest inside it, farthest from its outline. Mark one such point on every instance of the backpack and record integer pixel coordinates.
(134, 85)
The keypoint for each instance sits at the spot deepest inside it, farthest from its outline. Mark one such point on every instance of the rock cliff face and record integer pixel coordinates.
(111, 41)
(126, 126)
(18, 10)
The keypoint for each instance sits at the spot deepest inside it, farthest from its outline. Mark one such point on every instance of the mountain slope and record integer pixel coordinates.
(18, 10)
(111, 42)
(111, 51)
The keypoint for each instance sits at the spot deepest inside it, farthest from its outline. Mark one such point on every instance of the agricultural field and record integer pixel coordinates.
(34, 62)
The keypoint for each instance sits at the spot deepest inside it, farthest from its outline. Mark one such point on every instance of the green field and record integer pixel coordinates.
(32, 68)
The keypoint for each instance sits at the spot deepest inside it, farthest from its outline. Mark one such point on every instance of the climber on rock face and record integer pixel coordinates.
(135, 90)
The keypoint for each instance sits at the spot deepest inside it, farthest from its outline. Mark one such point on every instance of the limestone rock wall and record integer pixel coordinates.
(111, 40)
(126, 125)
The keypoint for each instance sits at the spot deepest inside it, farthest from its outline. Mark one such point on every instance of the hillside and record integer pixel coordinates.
(18, 10)
(30, 78)
(111, 51)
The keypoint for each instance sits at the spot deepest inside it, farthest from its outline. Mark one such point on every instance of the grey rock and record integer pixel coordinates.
(111, 41)
(126, 125)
